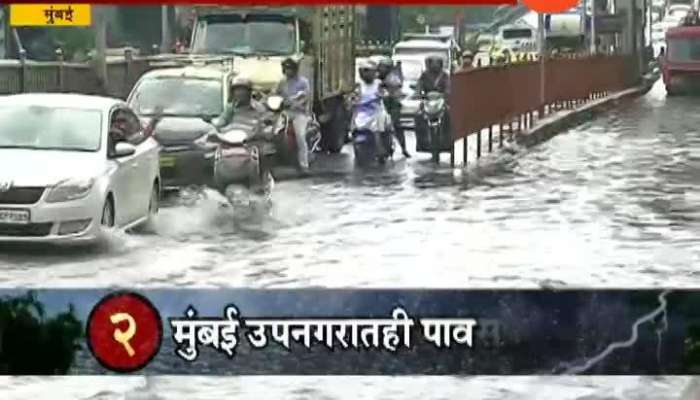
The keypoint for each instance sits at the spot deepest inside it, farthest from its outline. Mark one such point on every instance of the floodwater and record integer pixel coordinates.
(612, 203)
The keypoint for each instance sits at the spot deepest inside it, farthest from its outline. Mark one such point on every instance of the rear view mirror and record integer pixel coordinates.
(124, 149)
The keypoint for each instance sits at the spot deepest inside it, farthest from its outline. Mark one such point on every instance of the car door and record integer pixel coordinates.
(121, 178)
(128, 205)
(145, 164)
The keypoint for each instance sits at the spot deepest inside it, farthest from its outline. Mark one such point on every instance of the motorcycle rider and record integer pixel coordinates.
(393, 83)
(242, 106)
(368, 90)
(433, 79)
(296, 91)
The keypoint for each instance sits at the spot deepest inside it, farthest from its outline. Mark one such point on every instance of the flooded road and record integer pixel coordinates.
(612, 203)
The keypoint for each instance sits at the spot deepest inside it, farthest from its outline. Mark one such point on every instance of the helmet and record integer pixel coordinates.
(290, 63)
(433, 60)
(385, 61)
(241, 81)
(367, 65)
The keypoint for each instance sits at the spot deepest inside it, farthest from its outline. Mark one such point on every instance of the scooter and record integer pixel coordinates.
(433, 109)
(242, 158)
(371, 131)
(286, 136)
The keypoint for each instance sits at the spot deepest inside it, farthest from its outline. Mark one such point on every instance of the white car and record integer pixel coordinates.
(63, 174)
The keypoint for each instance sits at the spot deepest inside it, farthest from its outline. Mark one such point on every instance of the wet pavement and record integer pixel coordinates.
(612, 203)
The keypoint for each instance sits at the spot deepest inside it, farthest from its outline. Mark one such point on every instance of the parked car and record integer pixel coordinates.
(66, 172)
(191, 97)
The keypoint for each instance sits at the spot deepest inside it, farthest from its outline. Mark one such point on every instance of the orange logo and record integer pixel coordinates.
(550, 6)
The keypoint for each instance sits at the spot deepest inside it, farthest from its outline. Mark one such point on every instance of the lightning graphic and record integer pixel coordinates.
(660, 310)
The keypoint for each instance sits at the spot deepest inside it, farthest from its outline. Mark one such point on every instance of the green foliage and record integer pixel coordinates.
(72, 40)
(30, 344)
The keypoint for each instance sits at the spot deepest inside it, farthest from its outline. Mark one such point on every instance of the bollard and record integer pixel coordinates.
(500, 135)
(60, 78)
(452, 155)
(23, 70)
(478, 145)
(510, 129)
(490, 138)
(465, 149)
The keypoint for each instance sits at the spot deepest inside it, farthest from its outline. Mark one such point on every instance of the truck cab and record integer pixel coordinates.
(258, 41)
(680, 63)
(259, 38)
(516, 37)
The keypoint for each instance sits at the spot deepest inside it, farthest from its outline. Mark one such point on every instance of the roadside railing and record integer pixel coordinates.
(509, 97)
(26, 76)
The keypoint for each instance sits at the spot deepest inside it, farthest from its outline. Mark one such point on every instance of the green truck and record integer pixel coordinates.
(258, 38)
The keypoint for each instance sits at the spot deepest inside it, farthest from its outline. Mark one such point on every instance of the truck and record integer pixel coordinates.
(565, 30)
(259, 38)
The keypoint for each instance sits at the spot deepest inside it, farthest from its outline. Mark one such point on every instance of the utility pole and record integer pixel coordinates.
(542, 50)
(584, 19)
(594, 45)
(99, 26)
(165, 29)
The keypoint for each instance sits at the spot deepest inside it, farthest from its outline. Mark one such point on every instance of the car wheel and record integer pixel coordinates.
(154, 203)
(153, 207)
(108, 214)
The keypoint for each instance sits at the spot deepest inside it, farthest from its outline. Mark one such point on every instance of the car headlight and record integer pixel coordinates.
(70, 189)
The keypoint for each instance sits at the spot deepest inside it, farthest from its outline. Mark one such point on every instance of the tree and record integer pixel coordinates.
(31, 344)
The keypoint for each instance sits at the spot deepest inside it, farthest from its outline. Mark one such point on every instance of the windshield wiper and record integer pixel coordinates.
(270, 52)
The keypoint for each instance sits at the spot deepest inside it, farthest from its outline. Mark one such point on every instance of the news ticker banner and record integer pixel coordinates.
(79, 13)
(350, 332)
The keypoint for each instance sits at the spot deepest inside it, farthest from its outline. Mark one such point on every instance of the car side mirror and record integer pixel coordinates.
(123, 149)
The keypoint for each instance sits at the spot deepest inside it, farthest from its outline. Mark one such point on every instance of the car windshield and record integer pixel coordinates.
(179, 96)
(270, 37)
(684, 49)
(677, 13)
(422, 52)
(50, 128)
(411, 69)
(517, 34)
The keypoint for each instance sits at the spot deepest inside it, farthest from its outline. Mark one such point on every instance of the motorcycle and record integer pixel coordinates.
(286, 136)
(432, 109)
(242, 156)
(371, 131)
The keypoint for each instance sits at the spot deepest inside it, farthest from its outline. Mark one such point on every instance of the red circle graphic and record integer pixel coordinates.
(124, 332)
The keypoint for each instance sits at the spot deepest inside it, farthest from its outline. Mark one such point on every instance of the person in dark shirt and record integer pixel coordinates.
(434, 79)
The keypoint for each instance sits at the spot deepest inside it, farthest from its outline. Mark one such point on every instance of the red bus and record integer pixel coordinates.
(680, 64)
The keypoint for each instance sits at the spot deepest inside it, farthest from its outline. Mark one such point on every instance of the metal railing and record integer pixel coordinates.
(26, 76)
(509, 96)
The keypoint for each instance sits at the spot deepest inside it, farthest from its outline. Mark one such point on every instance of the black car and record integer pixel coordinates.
(187, 99)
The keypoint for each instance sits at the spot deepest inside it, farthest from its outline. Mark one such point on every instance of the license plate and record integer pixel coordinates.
(14, 216)
(167, 162)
